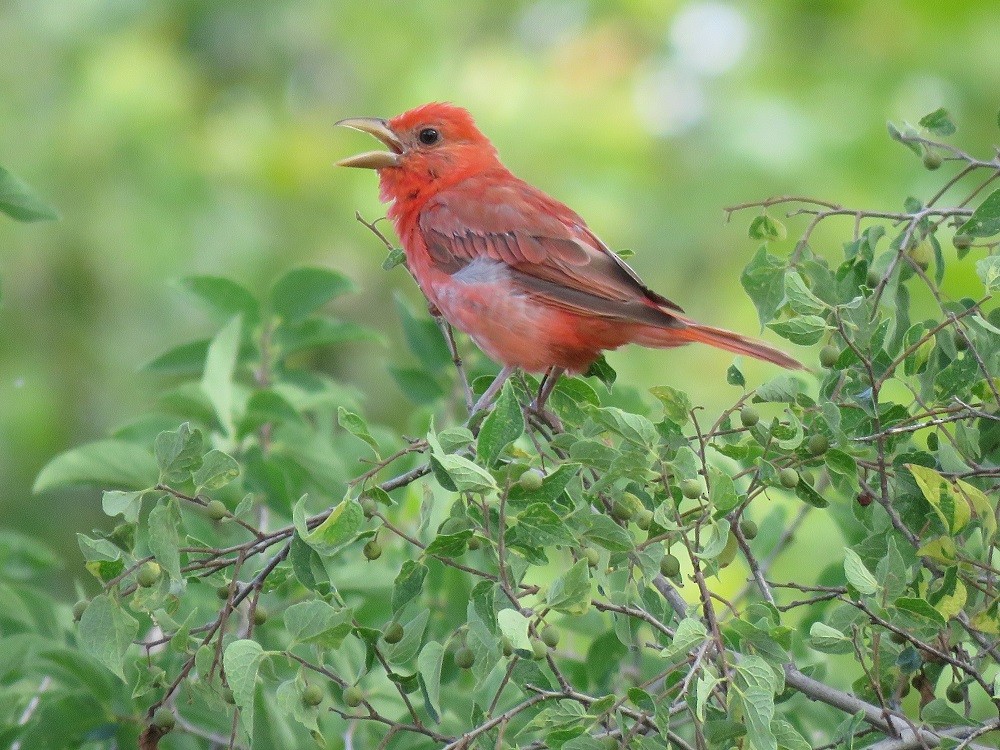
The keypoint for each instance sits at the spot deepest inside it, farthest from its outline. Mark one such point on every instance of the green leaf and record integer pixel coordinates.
(676, 404)
(787, 736)
(988, 270)
(857, 574)
(128, 504)
(288, 697)
(765, 228)
(316, 622)
(107, 632)
(605, 532)
(601, 370)
(408, 584)
(690, 633)
(186, 359)
(735, 377)
(357, 426)
(178, 453)
(220, 366)
(756, 685)
(19, 201)
(242, 660)
(316, 332)
(540, 526)
(216, 471)
(225, 297)
(429, 668)
(416, 385)
(413, 636)
(302, 290)
(829, 640)
(985, 220)
(502, 426)
(106, 463)
(339, 529)
(938, 122)
(951, 508)
(805, 330)
(393, 259)
(764, 280)
(423, 337)
(570, 592)
(921, 608)
(800, 298)
(164, 539)
(458, 473)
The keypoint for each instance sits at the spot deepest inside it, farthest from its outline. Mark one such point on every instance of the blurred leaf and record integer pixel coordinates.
(417, 385)
(800, 298)
(502, 426)
(178, 453)
(985, 220)
(357, 426)
(302, 290)
(429, 667)
(676, 404)
(106, 463)
(765, 228)
(19, 201)
(220, 366)
(393, 259)
(107, 632)
(225, 297)
(829, 640)
(423, 338)
(316, 332)
(938, 122)
(186, 359)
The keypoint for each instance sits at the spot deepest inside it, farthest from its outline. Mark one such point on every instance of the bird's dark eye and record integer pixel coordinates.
(429, 136)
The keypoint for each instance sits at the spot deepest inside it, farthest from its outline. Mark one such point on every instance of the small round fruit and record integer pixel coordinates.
(216, 510)
(691, 489)
(897, 638)
(354, 696)
(748, 529)
(669, 566)
(961, 241)
(644, 519)
(922, 253)
(955, 693)
(228, 697)
(728, 553)
(372, 550)
(368, 506)
(464, 658)
(828, 356)
(749, 416)
(530, 480)
(312, 695)
(818, 444)
(163, 719)
(593, 557)
(622, 510)
(393, 633)
(788, 477)
(865, 499)
(474, 543)
(538, 650)
(550, 636)
(933, 159)
(223, 591)
(260, 615)
(79, 608)
(149, 574)
(961, 342)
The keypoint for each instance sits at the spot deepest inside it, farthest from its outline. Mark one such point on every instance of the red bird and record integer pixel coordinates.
(521, 273)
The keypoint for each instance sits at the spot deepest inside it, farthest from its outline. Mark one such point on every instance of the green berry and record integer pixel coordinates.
(354, 696)
(550, 636)
(932, 159)
(538, 650)
(531, 480)
(961, 342)
(474, 543)
(464, 658)
(368, 506)
(79, 608)
(506, 646)
(593, 557)
(828, 356)
(749, 416)
(961, 241)
(955, 693)
(691, 489)
(728, 553)
(818, 444)
(922, 253)
(260, 615)
(372, 550)
(622, 510)
(748, 529)
(222, 592)
(163, 719)
(216, 510)
(788, 477)
(312, 695)
(669, 565)
(149, 574)
(393, 633)
(644, 518)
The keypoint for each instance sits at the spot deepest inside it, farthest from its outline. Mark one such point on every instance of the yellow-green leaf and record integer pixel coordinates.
(952, 508)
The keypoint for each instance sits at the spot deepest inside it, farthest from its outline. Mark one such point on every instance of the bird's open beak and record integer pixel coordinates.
(373, 159)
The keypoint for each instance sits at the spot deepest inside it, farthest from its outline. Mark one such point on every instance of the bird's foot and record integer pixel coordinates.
(546, 416)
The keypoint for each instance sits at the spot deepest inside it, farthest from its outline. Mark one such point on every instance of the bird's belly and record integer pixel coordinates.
(514, 328)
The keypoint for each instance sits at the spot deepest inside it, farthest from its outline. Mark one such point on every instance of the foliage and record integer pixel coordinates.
(501, 583)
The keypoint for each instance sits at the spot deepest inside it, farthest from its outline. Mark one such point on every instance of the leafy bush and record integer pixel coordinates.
(282, 568)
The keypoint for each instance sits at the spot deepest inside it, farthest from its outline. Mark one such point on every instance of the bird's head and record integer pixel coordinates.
(430, 147)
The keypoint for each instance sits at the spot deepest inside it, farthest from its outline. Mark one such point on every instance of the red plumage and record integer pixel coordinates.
(518, 271)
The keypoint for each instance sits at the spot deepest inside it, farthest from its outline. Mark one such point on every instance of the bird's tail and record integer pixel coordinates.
(718, 337)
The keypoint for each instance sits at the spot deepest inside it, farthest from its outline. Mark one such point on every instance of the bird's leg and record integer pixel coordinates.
(491, 393)
(544, 391)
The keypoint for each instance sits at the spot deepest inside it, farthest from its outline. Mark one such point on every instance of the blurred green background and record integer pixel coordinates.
(182, 137)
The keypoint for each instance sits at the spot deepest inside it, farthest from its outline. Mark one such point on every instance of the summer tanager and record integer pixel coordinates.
(521, 273)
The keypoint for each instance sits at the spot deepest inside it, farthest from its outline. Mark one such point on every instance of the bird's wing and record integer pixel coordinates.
(550, 250)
